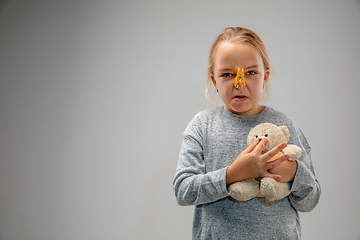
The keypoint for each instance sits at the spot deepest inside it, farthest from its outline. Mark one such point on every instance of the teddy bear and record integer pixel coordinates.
(266, 187)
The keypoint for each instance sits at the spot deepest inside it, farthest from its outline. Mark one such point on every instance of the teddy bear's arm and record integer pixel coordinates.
(245, 190)
(293, 151)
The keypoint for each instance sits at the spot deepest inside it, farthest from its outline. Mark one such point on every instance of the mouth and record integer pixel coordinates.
(240, 98)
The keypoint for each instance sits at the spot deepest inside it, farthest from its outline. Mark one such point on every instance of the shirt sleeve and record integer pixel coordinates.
(192, 184)
(305, 190)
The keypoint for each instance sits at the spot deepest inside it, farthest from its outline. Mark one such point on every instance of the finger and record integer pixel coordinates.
(271, 153)
(252, 146)
(276, 162)
(260, 147)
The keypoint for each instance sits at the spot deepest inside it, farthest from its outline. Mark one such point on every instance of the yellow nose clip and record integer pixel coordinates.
(240, 78)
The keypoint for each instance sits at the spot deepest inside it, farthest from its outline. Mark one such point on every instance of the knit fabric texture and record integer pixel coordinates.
(211, 142)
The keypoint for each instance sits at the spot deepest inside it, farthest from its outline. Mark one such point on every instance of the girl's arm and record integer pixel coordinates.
(286, 169)
(194, 186)
(251, 163)
(305, 189)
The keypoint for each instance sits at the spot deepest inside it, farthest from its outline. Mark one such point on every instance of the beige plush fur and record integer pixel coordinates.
(267, 187)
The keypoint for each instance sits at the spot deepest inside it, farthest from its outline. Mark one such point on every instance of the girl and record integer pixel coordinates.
(214, 153)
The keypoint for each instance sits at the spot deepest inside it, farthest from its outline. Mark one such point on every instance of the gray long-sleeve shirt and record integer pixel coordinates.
(212, 141)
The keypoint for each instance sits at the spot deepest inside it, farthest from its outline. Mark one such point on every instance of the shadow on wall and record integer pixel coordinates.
(358, 2)
(3, 4)
(183, 97)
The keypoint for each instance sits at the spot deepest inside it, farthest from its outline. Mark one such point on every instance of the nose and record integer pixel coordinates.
(260, 139)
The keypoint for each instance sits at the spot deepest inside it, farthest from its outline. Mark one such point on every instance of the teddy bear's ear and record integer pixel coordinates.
(286, 132)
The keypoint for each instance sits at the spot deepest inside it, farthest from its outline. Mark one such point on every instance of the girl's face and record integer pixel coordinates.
(228, 58)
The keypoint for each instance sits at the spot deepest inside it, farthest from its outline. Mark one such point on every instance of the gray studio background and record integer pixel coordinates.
(95, 95)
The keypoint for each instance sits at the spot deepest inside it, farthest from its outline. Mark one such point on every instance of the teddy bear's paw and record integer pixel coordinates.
(273, 190)
(245, 190)
(293, 151)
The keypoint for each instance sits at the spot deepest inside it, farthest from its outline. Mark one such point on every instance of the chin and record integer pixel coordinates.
(238, 111)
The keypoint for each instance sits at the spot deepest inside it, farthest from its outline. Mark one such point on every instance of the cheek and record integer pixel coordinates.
(226, 86)
(255, 87)
(254, 82)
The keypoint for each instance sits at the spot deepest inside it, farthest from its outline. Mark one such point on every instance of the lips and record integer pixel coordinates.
(240, 98)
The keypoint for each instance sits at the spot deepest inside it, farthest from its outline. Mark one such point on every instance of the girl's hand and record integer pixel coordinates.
(286, 169)
(251, 163)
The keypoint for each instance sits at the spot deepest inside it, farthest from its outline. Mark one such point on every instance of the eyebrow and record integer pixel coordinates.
(253, 66)
(231, 69)
(225, 69)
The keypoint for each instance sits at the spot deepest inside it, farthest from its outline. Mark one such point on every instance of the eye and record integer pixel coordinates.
(256, 136)
(225, 75)
(250, 73)
(266, 135)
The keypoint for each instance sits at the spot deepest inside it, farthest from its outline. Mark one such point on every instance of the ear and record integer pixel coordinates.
(213, 80)
(266, 76)
(286, 132)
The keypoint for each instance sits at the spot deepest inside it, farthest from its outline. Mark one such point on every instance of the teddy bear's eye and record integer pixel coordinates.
(266, 135)
(256, 136)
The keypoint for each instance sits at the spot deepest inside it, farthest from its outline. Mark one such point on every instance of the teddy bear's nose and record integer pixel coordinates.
(260, 139)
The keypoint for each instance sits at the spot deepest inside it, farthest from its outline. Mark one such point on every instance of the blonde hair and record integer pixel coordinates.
(236, 35)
